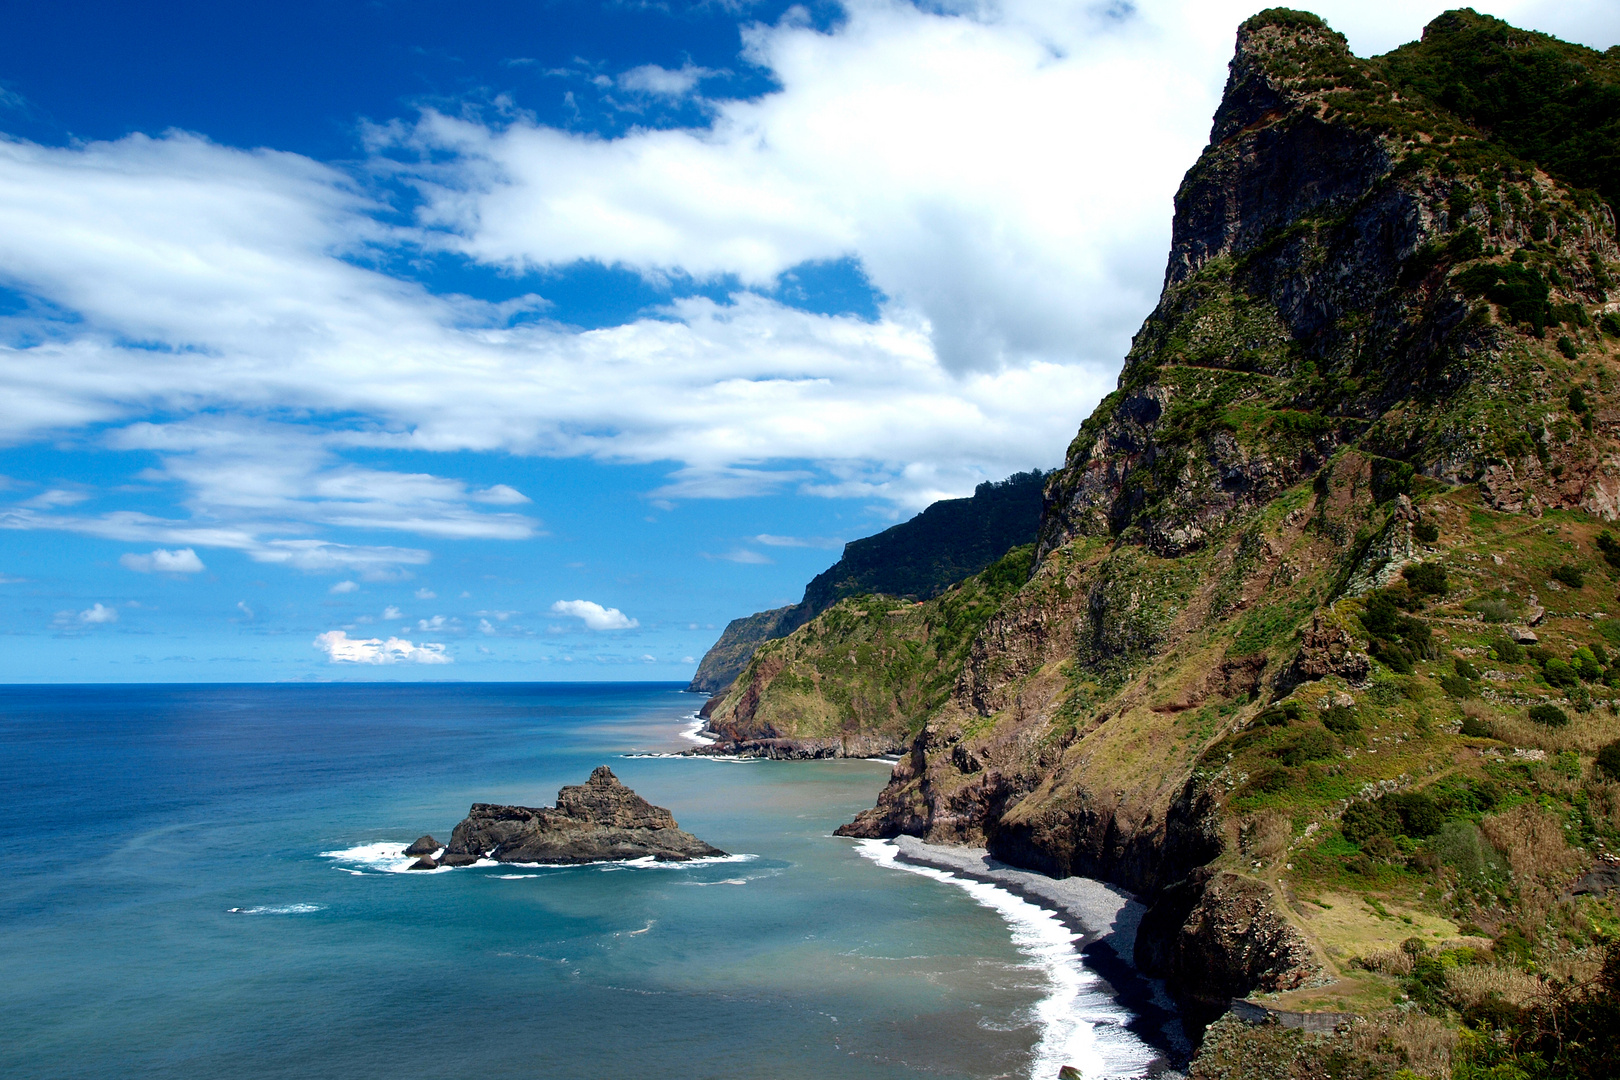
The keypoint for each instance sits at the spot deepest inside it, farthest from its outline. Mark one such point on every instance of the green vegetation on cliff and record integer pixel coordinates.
(1321, 624)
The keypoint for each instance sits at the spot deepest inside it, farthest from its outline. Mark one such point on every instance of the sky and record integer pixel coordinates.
(498, 339)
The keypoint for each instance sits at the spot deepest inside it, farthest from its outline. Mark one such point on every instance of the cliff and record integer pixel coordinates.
(915, 560)
(1266, 667)
(596, 821)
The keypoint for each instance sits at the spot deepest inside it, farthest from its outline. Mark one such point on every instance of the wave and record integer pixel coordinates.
(383, 857)
(1080, 1023)
(284, 909)
(694, 732)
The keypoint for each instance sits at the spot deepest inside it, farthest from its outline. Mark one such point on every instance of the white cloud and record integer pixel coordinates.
(242, 606)
(486, 627)
(663, 82)
(436, 623)
(1002, 173)
(343, 587)
(342, 649)
(98, 613)
(594, 615)
(745, 556)
(426, 594)
(161, 561)
(391, 612)
(799, 541)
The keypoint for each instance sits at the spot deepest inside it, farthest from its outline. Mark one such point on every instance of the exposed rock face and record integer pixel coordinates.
(424, 845)
(916, 559)
(596, 821)
(1337, 382)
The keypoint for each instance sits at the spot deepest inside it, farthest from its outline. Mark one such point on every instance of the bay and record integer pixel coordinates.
(193, 889)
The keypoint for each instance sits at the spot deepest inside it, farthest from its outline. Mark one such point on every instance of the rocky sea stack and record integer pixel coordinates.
(596, 821)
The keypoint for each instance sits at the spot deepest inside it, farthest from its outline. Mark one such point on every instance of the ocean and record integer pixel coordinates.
(204, 881)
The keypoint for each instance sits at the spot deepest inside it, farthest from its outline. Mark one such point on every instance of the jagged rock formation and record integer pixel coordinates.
(915, 560)
(1380, 347)
(596, 821)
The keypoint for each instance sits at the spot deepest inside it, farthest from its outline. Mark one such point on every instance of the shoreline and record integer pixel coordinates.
(1104, 918)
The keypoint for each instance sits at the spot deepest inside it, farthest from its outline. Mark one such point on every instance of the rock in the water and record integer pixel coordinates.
(598, 820)
(424, 863)
(425, 845)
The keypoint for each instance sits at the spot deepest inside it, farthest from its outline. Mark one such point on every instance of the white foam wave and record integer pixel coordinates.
(694, 731)
(283, 909)
(384, 857)
(1080, 1024)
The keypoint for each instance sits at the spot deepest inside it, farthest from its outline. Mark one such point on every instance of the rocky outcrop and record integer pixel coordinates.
(859, 746)
(597, 821)
(424, 845)
(1216, 936)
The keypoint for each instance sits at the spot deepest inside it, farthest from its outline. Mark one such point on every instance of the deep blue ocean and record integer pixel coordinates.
(203, 881)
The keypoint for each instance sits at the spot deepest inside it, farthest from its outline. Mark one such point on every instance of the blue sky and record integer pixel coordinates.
(512, 340)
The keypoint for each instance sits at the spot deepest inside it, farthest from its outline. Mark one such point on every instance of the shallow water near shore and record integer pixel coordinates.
(204, 881)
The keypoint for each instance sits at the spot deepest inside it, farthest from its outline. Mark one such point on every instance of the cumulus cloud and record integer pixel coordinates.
(98, 613)
(161, 561)
(343, 587)
(340, 648)
(594, 615)
(426, 594)
(391, 612)
(1001, 173)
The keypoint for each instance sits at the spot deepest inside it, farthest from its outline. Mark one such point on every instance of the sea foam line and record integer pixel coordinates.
(385, 857)
(1080, 1024)
(283, 909)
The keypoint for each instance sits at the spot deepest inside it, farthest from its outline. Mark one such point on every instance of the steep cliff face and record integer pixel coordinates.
(917, 559)
(1378, 348)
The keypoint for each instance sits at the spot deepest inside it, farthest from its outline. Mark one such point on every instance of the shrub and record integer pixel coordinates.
(1426, 532)
(1567, 347)
(1456, 686)
(1608, 760)
(1463, 668)
(1425, 577)
(1561, 673)
(1508, 651)
(1313, 744)
(1610, 548)
(1586, 664)
(1341, 720)
(1270, 780)
(1577, 400)
(1570, 575)
(1475, 728)
(1491, 608)
(1418, 814)
(1610, 324)
(1550, 715)
(1364, 820)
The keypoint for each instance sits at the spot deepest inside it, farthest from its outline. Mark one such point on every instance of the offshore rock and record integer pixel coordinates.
(597, 821)
(425, 845)
(424, 863)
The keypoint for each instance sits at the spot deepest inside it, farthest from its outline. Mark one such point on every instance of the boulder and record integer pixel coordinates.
(425, 845)
(424, 863)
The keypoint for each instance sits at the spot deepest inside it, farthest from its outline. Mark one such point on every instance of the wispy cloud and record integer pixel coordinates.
(162, 561)
(343, 587)
(98, 613)
(799, 541)
(594, 615)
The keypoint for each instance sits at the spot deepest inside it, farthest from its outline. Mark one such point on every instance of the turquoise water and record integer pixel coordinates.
(194, 889)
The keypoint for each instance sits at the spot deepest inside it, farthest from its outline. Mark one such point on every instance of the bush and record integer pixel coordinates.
(1491, 608)
(1418, 815)
(1463, 668)
(1456, 686)
(1270, 780)
(1570, 575)
(1567, 347)
(1608, 760)
(1610, 548)
(1364, 820)
(1426, 532)
(1586, 664)
(1475, 728)
(1341, 720)
(1313, 744)
(1280, 715)
(1550, 715)
(1508, 651)
(1610, 324)
(1425, 577)
(1561, 673)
